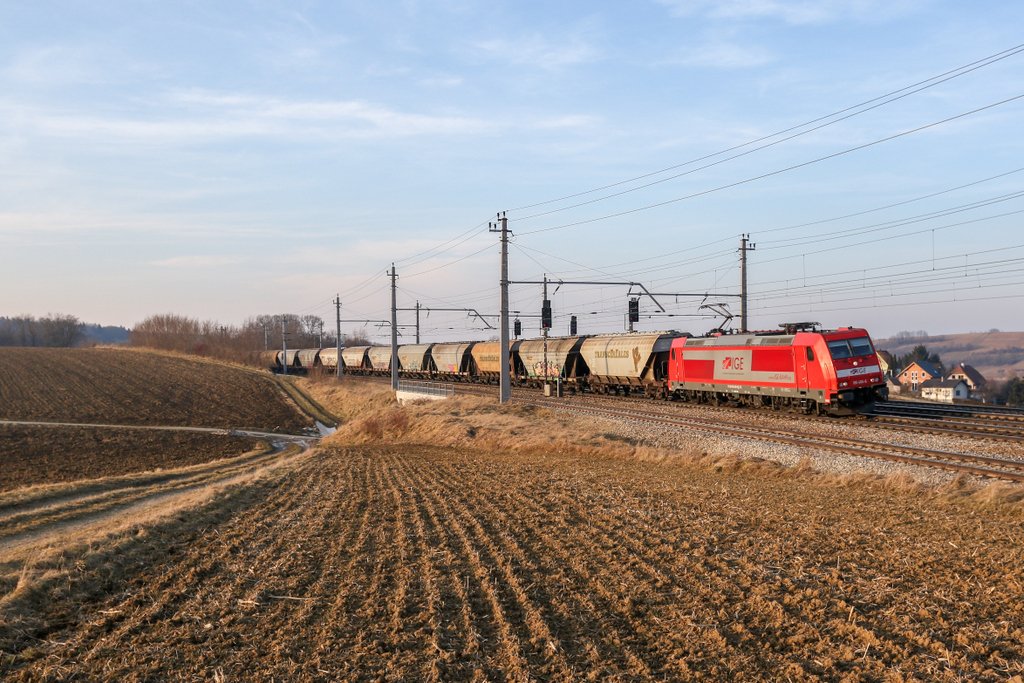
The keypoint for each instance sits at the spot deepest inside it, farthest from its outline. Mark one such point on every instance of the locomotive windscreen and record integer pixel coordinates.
(850, 348)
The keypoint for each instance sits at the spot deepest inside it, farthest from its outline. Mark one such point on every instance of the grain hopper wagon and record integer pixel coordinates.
(452, 361)
(415, 360)
(355, 360)
(563, 360)
(629, 362)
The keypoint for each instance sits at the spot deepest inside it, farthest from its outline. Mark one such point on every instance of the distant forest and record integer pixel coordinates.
(57, 331)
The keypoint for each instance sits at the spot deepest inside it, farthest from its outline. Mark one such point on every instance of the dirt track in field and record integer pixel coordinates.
(121, 386)
(415, 563)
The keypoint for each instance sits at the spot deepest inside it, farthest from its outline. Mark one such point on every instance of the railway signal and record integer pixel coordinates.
(518, 327)
(545, 315)
(634, 312)
(572, 326)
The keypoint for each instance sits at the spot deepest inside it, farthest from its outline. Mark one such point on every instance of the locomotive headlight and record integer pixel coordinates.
(843, 384)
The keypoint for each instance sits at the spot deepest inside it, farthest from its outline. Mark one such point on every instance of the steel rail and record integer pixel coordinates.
(993, 431)
(905, 454)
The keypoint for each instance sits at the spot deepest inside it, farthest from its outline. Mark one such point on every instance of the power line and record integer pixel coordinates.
(967, 68)
(891, 206)
(900, 222)
(777, 172)
(893, 237)
(904, 264)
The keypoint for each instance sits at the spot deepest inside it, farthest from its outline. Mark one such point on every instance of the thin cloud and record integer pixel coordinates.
(794, 11)
(719, 55)
(441, 82)
(205, 116)
(540, 52)
(197, 261)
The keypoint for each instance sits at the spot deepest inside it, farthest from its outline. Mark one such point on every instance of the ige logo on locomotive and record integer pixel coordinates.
(733, 363)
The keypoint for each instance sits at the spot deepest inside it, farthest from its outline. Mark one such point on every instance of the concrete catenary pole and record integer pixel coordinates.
(745, 246)
(337, 311)
(284, 342)
(506, 376)
(394, 331)
(544, 331)
(417, 322)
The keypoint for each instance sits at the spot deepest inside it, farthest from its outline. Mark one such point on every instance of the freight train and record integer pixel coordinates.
(797, 367)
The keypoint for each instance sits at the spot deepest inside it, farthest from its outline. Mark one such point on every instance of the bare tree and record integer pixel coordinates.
(311, 326)
(61, 330)
(356, 339)
(26, 330)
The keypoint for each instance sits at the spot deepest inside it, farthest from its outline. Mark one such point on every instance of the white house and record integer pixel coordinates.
(944, 390)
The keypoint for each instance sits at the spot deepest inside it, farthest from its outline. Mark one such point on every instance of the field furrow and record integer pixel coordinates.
(417, 563)
(563, 558)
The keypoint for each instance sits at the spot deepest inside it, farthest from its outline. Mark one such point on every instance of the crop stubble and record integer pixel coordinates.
(421, 563)
(119, 386)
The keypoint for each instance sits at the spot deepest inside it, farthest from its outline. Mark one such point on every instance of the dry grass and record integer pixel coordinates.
(372, 416)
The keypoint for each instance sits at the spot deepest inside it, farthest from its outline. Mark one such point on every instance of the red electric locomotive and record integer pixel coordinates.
(800, 366)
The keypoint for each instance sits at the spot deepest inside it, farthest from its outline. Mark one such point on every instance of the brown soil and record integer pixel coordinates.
(119, 386)
(45, 455)
(422, 563)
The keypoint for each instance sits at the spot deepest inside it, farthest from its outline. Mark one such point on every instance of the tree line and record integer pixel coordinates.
(237, 343)
(54, 330)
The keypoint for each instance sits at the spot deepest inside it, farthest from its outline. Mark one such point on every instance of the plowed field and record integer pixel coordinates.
(46, 455)
(417, 563)
(116, 386)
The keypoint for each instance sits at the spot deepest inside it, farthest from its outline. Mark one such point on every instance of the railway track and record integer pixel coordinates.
(994, 414)
(979, 465)
(669, 414)
(921, 418)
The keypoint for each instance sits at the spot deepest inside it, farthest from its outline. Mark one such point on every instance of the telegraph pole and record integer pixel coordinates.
(337, 310)
(506, 378)
(284, 342)
(394, 330)
(417, 322)
(745, 246)
(266, 338)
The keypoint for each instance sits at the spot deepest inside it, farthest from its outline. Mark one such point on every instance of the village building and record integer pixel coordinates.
(944, 390)
(917, 373)
(886, 362)
(894, 386)
(975, 380)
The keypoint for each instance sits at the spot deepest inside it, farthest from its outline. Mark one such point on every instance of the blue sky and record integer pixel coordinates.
(222, 160)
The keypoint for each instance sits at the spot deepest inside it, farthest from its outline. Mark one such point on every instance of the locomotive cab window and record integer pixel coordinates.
(861, 346)
(850, 348)
(810, 353)
(839, 349)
